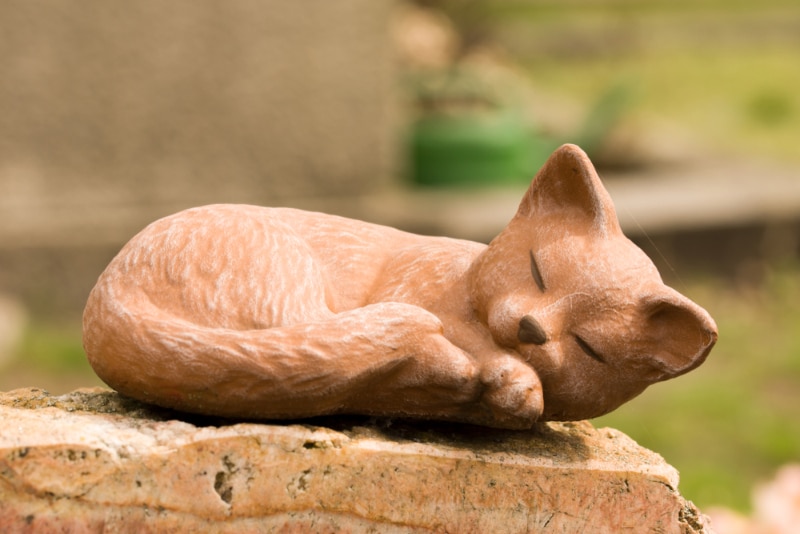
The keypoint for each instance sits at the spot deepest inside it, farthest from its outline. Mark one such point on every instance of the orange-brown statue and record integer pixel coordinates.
(255, 312)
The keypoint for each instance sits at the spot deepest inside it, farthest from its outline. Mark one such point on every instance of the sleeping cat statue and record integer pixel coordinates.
(275, 313)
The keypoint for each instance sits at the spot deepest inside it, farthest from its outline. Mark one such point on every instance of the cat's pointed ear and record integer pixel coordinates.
(679, 334)
(567, 185)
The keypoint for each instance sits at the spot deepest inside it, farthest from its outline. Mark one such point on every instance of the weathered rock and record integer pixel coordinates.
(93, 461)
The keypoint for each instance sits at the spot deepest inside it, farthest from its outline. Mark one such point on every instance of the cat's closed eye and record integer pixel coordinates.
(585, 347)
(536, 274)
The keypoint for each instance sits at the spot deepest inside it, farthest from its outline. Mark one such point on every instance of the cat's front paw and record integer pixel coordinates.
(513, 393)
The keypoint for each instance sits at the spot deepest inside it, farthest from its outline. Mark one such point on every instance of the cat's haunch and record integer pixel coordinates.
(251, 312)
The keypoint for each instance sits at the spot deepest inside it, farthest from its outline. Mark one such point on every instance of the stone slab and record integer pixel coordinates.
(92, 461)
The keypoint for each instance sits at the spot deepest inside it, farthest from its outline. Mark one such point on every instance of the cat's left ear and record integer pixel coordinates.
(679, 334)
(567, 186)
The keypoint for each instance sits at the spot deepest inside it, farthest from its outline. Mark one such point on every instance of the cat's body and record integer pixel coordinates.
(277, 313)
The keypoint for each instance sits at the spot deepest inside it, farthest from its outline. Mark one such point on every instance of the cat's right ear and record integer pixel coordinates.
(567, 187)
(679, 334)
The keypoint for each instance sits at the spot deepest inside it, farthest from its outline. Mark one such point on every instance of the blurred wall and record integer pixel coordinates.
(108, 104)
(113, 113)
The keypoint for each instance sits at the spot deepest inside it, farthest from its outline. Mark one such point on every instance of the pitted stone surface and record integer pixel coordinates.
(92, 461)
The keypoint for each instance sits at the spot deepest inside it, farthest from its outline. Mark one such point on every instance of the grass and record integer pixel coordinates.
(744, 102)
(54, 347)
(50, 356)
(726, 71)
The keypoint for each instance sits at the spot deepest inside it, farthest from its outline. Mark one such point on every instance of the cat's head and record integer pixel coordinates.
(563, 287)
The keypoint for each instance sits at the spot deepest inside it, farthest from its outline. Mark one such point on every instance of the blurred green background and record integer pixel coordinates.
(468, 96)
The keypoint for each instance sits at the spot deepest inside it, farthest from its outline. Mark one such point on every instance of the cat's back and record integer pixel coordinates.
(201, 236)
(196, 231)
(206, 256)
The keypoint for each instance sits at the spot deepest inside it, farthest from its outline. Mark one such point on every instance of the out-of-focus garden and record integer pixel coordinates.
(481, 92)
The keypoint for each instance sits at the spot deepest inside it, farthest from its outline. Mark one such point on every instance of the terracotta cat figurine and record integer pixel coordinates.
(253, 312)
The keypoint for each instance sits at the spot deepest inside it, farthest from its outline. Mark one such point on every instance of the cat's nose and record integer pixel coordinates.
(530, 331)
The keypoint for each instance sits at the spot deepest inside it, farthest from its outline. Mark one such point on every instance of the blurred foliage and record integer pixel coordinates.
(609, 110)
(770, 107)
(724, 70)
(745, 102)
(57, 348)
(50, 355)
(731, 423)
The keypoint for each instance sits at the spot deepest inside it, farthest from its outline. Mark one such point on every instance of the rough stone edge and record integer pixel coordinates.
(413, 438)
